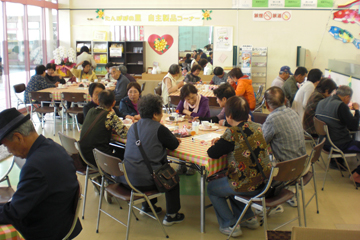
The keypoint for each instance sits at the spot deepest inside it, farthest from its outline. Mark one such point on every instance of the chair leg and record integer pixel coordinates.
(85, 190)
(327, 169)
(298, 206)
(241, 216)
(348, 168)
(54, 120)
(100, 202)
(315, 188)
(129, 214)
(264, 216)
(157, 218)
(303, 199)
(77, 123)
(62, 120)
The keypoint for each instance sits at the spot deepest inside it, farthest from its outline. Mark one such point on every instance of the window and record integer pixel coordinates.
(16, 48)
(51, 32)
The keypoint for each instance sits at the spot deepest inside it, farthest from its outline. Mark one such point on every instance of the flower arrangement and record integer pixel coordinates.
(64, 59)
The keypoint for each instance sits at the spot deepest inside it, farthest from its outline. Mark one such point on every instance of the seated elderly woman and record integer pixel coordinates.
(94, 90)
(99, 135)
(242, 176)
(193, 76)
(85, 73)
(192, 103)
(169, 84)
(155, 139)
(51, 76)
(129, 105)
(323, 90)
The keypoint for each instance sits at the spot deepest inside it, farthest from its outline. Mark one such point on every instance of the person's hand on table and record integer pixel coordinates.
(195, 119)
(214, 141)
(56, 84)
(179, 140)
(186, 112)
(355, 106)
(130, 117)
(222, 122)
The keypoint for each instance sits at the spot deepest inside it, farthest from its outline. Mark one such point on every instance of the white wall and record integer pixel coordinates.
(307, 28)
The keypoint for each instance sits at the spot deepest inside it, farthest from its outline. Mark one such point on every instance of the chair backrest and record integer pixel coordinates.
(19, 161)
(68, 143)
(157, 89)
(77, 146)
(73, 97)
(40, 96)
(290, 170)
(123, 170)
(317, 151)
(19, 88)
(143, 86)
(259, 92)
(260, 117)
(107, 164)
(259, 105)
(319, 127)
(75, 211)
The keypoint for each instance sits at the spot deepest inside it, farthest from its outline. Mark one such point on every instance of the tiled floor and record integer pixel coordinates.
(338, 204)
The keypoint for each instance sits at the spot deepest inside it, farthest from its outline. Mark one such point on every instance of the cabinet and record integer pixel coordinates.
(128, 53)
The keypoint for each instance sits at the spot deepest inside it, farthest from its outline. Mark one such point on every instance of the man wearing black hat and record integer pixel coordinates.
(42, 206)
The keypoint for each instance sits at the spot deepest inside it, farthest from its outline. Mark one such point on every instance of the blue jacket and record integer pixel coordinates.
(126, 107)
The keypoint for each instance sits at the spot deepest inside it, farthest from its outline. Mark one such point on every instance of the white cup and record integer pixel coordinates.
(96, 80)
(195, 127)
(59, 85)
(206, 124)
(68, 83)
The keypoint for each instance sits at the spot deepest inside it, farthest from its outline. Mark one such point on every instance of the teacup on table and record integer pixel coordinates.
(205, 124)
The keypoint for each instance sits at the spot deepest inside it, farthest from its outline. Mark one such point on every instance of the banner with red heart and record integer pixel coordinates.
(160, 44)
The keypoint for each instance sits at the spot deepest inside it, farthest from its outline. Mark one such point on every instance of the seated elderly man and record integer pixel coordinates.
(290, 86)
(123, 70)
(122, 82)
(284, 74)
(283, 129)
(94, 90)
(42, 206)
(334, 111)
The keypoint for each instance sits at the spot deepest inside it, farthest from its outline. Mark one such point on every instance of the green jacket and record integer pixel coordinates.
(290, 88)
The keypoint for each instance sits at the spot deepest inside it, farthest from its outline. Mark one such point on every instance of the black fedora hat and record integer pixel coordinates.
(10, 119)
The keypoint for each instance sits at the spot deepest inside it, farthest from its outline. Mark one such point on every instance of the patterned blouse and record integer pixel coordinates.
(36, 83)
(243, 173)
(113, 122)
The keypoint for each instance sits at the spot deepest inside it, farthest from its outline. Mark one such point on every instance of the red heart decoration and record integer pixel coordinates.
(168, 39)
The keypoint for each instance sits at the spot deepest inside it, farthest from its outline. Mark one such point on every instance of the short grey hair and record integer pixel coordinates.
(114, 67)
(274, 97)
(25, 129)
(344, 91)
(123, 69)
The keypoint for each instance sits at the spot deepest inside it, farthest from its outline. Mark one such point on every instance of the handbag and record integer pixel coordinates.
(165, 177)
(276, 186)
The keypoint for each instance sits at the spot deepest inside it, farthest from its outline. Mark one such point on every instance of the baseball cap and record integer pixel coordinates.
(285, 69)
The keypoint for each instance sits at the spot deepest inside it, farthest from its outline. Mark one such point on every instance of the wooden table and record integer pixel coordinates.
(175, 96)
(196, 153)
(8, 232)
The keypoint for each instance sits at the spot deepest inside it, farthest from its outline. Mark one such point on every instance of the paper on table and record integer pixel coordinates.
(207, 137)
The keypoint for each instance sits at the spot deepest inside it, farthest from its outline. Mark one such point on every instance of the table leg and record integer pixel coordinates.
(202, 199)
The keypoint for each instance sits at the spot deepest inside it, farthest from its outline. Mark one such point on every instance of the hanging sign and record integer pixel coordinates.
(152, 18)
(273, 16)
